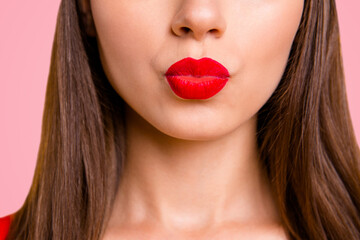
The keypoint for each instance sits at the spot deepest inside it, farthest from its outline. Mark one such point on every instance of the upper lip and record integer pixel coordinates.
(204, 67)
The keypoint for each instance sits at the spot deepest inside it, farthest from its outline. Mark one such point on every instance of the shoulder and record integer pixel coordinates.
(5, 225)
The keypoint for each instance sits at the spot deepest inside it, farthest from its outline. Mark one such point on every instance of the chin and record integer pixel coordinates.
(194, 130)
(191, 136)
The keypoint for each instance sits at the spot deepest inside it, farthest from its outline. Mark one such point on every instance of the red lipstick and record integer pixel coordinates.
(197, 79)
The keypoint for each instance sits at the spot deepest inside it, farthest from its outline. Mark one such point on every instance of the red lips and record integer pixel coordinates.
(197, 79)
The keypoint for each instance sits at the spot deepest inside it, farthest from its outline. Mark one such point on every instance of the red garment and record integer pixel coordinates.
(4, 226)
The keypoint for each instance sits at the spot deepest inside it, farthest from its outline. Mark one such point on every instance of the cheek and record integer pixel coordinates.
(264, 44)
(273, 32)
(127, 39)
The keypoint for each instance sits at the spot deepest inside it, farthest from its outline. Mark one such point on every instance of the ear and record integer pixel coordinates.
(86, 17)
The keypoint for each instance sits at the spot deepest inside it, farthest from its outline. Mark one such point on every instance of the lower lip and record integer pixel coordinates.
(189, 87)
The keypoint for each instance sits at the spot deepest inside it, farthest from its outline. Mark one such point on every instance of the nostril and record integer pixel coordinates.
(185, 29)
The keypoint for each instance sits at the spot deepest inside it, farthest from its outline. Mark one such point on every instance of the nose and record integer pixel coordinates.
(199, 18)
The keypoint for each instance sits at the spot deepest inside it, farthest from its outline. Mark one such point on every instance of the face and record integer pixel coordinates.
(140, 39)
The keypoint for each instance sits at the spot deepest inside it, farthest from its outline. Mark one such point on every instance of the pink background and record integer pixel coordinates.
(27, 29)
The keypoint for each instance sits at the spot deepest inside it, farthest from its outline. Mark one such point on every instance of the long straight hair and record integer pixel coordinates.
(305, 138)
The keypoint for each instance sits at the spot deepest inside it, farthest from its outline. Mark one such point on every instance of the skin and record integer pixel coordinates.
(192, 167)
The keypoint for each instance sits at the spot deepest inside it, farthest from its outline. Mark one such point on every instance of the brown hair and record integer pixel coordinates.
(305, 138)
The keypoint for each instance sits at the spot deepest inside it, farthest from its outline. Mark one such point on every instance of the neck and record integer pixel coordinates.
(192, 184)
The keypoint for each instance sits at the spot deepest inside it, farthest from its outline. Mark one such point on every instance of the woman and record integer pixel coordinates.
(195, 120)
